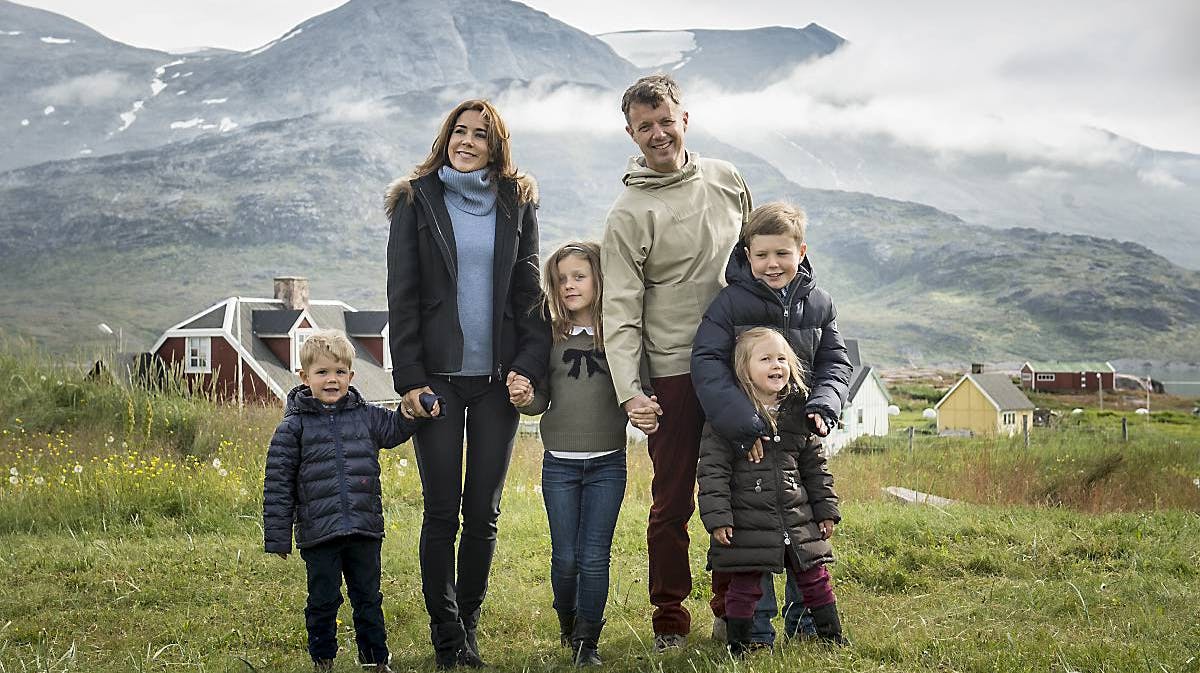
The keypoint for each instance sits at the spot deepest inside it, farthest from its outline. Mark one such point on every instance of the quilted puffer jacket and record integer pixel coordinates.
(774, 506)
(322, 476)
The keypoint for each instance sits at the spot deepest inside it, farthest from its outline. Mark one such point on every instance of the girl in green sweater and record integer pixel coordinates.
(583, 431)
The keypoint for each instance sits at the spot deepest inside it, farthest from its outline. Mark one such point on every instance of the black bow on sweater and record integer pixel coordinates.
(590, 356)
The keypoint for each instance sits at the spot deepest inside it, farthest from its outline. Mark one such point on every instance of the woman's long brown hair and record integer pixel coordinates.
(500, 163)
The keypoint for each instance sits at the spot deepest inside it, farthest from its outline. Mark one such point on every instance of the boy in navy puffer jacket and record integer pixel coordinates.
(322, 478)
(769, 284)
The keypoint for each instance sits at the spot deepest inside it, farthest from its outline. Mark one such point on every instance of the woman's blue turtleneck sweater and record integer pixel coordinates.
(471, 200)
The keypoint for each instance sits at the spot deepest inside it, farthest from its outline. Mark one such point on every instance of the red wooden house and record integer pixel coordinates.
(1067, 376)
(249, 347)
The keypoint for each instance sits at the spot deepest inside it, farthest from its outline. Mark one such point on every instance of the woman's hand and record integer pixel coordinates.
(520, 390)
(724, 535)
(643, 413)
(826, 527)
(410, 404)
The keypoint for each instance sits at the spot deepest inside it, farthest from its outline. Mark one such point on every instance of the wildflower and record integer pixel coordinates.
(1196, 481)
(78, 468)
(13, 471)
(14, 480)
(537, 488)
(242, 492)
(403, 462)
(223, 472)
(43, 377)
(58, 383)
(216, 463)
(39, 480)
(62, 478)
(110, 440)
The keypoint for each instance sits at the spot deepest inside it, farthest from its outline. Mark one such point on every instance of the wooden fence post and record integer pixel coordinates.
(1125, 428)
(1025, 424)
(911, 432)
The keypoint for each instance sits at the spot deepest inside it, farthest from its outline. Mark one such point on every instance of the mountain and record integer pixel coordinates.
(65, 86)
(138, 239)
(733, 60)
(1144, 195)
(340, 61)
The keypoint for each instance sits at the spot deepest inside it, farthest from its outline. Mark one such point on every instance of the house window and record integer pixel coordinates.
(301, 336)
(859, 415)
(1010, 418)
(1045, 377)
(199, 355)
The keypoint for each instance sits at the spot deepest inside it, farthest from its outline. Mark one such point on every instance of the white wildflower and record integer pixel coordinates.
(403, 462)
(43, 377)
(14, 480)
(62, 478)
(216, 463)
(223, 472)
(110, 439)
(13, 471)
(1196, 481)
(78, 468)
(39, 480)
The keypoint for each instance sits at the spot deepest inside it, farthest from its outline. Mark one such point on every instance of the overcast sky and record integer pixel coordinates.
(1031, 67)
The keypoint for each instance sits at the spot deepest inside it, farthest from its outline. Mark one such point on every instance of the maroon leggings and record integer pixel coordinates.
(743, 590)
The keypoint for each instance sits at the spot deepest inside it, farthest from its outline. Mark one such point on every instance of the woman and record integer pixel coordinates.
(462, 282)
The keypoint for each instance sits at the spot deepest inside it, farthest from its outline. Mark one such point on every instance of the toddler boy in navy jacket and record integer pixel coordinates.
(769, 283)
(322, 481)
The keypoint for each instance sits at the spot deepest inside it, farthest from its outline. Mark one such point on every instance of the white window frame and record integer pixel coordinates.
(199, 362)
(1009, 418)
(298, 338)
(858, 416)
(1045, 377)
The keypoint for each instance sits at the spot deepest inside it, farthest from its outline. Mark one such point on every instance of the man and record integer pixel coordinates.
(666, 241)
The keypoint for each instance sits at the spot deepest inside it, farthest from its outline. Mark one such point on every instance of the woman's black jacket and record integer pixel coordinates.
(422, 265)
(807, 319)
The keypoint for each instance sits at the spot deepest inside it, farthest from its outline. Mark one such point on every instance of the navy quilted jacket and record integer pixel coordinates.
(806, 317)
(322, 474)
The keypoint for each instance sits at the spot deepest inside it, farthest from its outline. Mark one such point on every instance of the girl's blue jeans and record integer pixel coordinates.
(583, 498)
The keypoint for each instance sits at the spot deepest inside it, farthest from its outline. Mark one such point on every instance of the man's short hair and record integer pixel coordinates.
(776, 219)
(331, 342)
(651, 90)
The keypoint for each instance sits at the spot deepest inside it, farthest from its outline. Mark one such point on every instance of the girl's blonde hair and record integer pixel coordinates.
(560, 317)
(741, 367)
(500, 162)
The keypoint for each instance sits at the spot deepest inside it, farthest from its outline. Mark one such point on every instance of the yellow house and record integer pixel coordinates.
(984, 404)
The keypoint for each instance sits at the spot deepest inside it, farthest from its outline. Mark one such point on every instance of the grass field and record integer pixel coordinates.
(130, 540)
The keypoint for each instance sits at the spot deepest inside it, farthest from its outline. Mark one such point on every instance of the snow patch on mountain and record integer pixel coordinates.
(57, 40)
(214, 101)
(189, 124)
(130, 117)
(648, 48)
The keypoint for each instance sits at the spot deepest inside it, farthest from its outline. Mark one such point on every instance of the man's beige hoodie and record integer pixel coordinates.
(666, 242)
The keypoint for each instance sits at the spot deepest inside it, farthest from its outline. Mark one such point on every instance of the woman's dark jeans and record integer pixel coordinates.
(583, 498)
(478, 404)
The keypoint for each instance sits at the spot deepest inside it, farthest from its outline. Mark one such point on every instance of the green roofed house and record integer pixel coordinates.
(1067, 376)
(984, 404)
(249, 348)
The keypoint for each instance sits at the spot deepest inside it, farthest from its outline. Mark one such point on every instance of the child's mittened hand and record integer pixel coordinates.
(826, 527)
(724, 535)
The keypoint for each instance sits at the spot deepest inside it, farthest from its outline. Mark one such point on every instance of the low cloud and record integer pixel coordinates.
(356, 112)
(1160, 177)
(88, 89)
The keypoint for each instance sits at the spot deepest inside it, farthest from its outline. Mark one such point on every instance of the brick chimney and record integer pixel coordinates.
(293, 290)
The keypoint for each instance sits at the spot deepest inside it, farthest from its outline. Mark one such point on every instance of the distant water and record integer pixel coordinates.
(1177, 379)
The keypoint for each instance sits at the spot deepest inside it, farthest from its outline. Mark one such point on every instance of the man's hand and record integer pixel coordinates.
(520, 390)
(826, 527)
(818, 425)
(410, 404)
(724, 535)
(643, 412)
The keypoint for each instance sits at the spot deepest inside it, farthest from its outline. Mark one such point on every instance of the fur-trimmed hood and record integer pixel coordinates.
(527, 192)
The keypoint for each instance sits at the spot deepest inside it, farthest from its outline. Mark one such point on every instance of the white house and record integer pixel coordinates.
(866, 409)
